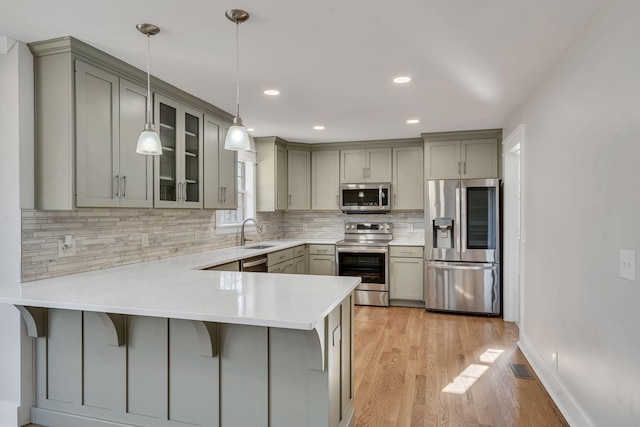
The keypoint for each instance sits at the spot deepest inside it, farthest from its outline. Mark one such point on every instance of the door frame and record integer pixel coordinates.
(513, 283)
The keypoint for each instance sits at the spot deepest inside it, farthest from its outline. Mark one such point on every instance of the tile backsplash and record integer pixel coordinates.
(105, 238)
(110, 237)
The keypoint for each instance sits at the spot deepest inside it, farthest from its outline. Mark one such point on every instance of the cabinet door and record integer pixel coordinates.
(323, 265)
(167, 179)
(299, 177)
(325, 185)
(408, 181)
(378, 167)
(479, 158)
(179, 169)
(353, 164)
(406, 277)
(191, 168)
(98, 181)
(219, 171)
(442, 160)
(299, 265)
(136, 170)
(281, 178)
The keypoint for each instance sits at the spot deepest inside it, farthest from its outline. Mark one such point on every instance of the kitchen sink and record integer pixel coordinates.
(258, 247)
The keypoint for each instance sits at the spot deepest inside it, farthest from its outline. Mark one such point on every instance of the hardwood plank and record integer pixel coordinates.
(405, 358)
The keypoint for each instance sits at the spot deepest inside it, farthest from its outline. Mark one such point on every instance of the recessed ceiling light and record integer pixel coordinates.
(250, 129)
(402, 79)
(413, 121)
(272, 92)
(319, 127)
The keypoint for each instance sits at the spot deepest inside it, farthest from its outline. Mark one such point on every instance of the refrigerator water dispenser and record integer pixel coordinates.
(443, 233)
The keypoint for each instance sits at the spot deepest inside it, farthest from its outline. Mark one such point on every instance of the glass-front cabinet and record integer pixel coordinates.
(178, 176)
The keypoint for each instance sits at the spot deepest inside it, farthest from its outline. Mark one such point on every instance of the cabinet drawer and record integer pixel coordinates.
(322, 249)
(406, 251)
(298, 251)
(279, 256)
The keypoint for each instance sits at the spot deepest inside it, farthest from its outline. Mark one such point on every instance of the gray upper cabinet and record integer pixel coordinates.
(325, 180)
(272, 175)
(220, 173)
(90, 109)
(462, 155)
(408, 182)
(299, 179)
(365, 165)
(178, 178)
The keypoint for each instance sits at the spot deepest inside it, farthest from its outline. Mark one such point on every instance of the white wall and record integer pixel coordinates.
(582, 204)
(16, 130)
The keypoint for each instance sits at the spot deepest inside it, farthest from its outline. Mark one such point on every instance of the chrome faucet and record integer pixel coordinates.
(243, 240)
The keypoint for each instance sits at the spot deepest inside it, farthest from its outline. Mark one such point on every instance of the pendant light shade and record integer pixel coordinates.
(149, 141)
(237, 138)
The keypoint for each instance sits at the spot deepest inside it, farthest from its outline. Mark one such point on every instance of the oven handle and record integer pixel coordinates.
(362, 249)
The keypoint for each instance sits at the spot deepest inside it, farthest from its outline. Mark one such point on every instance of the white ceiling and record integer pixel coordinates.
(473, 62)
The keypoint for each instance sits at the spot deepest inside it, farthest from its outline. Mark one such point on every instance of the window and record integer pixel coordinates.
(228, 220)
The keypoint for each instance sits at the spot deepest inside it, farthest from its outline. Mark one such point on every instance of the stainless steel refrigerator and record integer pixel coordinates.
(462, 237)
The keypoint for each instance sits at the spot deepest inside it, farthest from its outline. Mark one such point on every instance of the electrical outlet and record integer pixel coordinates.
(554, 358)
(66, 246)
(144, 238)
(628, 264)
(304, 226)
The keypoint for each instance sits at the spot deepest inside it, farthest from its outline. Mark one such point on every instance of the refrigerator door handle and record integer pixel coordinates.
(464, 266)
(463, 220)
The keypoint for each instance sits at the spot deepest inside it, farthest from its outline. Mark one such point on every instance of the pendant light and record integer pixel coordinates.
(237, 138)
(149, 141)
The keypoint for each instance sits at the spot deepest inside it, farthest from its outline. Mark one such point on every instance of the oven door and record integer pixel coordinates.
(369, 263)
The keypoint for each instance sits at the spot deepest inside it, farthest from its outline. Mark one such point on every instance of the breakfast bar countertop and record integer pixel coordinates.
(179, 288)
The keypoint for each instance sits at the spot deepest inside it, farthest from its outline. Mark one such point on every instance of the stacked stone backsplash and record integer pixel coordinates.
(107, 238)
(300, 225)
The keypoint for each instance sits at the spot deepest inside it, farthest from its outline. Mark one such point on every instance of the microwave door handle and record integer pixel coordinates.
(380, 197)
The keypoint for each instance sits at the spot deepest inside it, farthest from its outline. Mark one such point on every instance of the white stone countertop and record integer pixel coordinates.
(178, 288)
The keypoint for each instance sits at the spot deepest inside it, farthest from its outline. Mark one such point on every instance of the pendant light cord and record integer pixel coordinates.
(148, 79)
(237, 69)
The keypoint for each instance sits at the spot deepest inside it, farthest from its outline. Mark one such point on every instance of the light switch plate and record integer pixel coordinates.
(628, 264)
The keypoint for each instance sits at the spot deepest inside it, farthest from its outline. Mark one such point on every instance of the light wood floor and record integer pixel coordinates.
(406, 357)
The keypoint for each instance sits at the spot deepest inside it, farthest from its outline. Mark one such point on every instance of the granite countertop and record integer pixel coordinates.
(179, 288)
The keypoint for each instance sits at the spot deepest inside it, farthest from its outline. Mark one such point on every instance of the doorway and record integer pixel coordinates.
(513, 250)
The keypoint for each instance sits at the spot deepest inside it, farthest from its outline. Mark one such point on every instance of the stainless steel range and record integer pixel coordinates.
(364, 253)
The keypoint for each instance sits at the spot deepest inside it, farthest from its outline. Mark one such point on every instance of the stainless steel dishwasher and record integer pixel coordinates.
(256, 264)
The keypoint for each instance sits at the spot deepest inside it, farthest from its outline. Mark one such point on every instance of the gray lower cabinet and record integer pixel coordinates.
(322, 260)
(103, 369)
(406, 273)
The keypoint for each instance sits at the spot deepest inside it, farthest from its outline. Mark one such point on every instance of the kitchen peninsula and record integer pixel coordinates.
(166, 343)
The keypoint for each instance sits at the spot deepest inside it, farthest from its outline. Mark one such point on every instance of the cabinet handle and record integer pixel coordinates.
(465, 167)
(459, 172)
(124, 186)
(289, 199)
(178, 192)
(224, 189)
(184, 192)
(368, 172)
(117, 185)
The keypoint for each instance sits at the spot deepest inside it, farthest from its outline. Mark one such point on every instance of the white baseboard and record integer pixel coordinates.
(564, 400)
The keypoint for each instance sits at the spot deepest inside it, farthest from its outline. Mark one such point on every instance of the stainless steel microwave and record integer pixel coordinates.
(365, 198)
